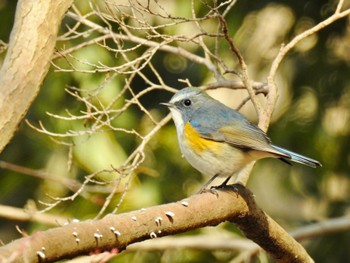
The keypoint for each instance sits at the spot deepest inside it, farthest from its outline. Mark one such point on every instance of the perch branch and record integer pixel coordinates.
(115, 232)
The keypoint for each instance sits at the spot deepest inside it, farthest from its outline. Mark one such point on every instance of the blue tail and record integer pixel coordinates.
(292, 156)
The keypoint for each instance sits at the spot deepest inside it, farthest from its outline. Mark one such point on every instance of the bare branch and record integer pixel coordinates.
(19, 214)
(118, 231)
(273, 91)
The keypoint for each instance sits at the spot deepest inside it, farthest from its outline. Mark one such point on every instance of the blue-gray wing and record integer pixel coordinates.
(231, 127)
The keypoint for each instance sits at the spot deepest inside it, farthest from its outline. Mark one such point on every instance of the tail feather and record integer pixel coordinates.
(292, 156)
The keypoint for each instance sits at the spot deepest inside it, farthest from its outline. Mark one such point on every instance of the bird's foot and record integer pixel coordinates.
(211, 190)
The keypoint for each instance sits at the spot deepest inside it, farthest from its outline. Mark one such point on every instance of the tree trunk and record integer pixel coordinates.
(27, 61)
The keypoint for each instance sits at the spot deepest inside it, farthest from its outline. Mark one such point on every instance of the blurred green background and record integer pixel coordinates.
(312, 118)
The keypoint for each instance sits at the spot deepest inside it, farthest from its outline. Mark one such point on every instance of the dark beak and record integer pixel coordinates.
(169, 105)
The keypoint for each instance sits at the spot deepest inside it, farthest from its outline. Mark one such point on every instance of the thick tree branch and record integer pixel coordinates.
(32, 43)
(234, 204)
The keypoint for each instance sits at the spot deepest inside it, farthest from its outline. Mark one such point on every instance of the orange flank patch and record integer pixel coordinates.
(199, 144)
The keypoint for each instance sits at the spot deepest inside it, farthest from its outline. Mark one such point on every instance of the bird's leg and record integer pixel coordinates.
(233, 186)
(204, 187)
(224, 183)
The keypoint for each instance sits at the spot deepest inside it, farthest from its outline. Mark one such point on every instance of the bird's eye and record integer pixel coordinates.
(187, 102)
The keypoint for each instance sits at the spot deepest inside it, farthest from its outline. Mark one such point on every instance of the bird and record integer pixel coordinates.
(219, 141)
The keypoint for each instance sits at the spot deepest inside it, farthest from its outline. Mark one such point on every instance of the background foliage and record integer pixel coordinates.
(311, 118)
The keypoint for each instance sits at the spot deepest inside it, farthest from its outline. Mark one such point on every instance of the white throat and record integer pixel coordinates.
(179, 123)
